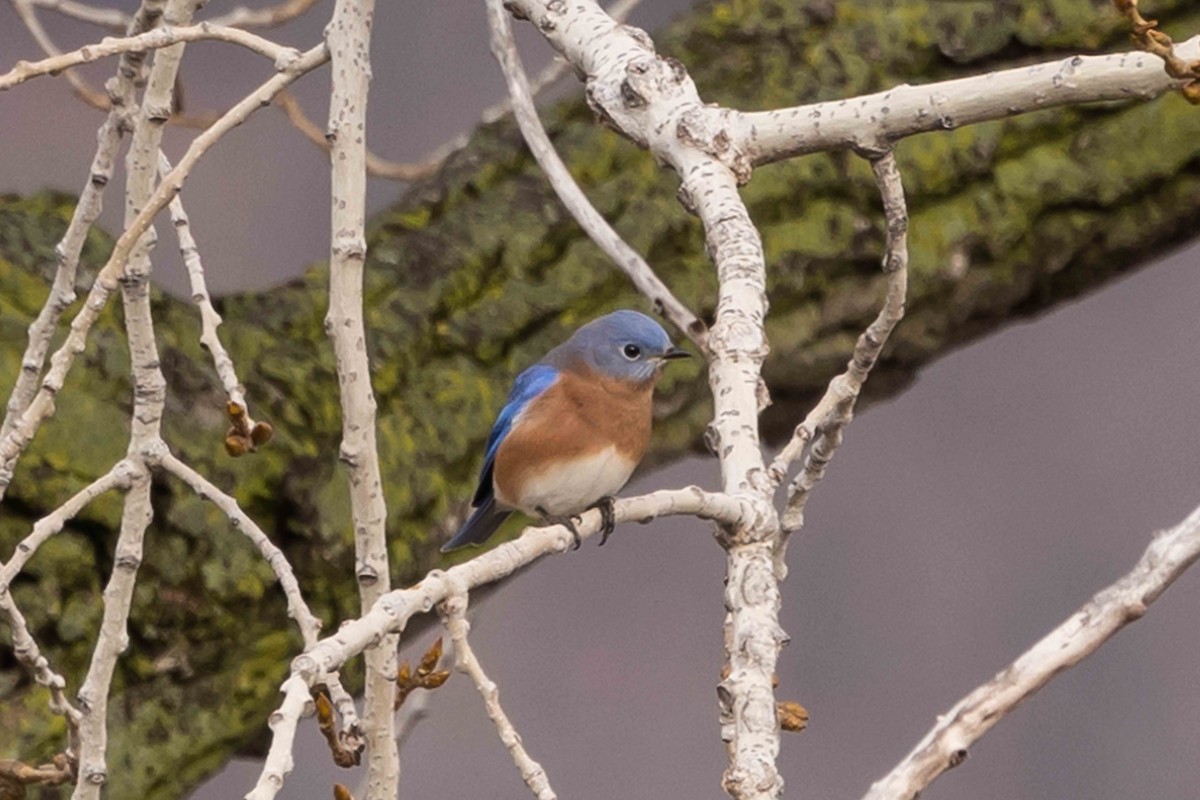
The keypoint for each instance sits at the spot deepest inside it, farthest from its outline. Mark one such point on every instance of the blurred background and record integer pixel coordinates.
(960, 521)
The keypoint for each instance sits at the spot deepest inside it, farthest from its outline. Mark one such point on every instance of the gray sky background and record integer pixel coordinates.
(958, 523)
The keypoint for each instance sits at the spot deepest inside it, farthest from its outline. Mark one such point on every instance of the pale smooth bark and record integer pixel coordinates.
(348, 38)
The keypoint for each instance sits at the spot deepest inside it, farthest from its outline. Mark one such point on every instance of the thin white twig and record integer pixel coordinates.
(297, 608)
(392, 611)
(454, 617)
(947, 743)
(821, 431)
(111, 18)
(68, 249)
(210, 320)
(42, 404)
(150, 40)
(504, 48)
(348, 38)
(268, 17)
(28, 14)
(379, 167)
(24, 645)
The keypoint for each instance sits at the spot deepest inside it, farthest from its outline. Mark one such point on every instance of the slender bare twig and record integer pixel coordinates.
(28, 13)
(1152, 40)
(504, 48)
(210, 320)
(348, 38)
(380, 167)
(150, 40)
(946, 745)
(821, 431)
(68, 249)
(42, 404)
(297, 608)
(111, 18)
(24, 645)
(268, 17)
(454, 616)
(392, 611)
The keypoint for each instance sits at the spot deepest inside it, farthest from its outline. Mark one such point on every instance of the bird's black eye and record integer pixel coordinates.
(631, 351)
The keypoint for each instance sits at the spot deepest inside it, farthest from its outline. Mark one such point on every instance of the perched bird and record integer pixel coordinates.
(574, 427)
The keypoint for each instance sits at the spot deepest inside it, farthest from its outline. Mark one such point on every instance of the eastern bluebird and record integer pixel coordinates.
(574, 427)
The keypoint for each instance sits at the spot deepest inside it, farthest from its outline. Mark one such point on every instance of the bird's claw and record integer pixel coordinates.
(608, 517)
(567, 522)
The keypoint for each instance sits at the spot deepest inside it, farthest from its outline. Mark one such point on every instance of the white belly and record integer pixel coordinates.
(569, 487)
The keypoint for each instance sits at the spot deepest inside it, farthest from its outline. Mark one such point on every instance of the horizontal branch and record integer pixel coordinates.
(393, 610)
(871, 122)
(946, 745)
(150, 40)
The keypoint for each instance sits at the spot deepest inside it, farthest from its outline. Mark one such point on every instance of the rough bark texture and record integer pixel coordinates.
(475, 273)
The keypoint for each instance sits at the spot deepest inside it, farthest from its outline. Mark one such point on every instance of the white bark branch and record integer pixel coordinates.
(111, 18)
(68, 249)
(454, 617)
(42, 404)
(297, 608)
(149, 400)
(872, 122)
(946, 745)
(210, 320)
(24, 646)
(391, 613)
(28, 13)
(348, 39)
(654, 102)
(504, 48)
(164, 36)
(821, 431)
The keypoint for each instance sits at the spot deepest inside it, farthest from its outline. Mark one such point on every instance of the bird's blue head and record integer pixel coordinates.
(626, 345)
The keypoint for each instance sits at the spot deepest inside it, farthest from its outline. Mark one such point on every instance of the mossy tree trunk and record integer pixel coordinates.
(476, 272)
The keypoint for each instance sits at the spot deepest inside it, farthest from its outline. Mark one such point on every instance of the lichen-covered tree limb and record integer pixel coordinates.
(1009, 218)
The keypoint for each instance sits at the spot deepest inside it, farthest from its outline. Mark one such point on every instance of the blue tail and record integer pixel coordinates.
(482, 524)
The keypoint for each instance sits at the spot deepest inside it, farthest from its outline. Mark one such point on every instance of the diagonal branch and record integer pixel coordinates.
(210, 320)
(164, 36)
(391, 613)
(821, 431)
(504, 48)
(946, 745)
(68, 249)
(297, 608)
(42, 404)
(454, 617)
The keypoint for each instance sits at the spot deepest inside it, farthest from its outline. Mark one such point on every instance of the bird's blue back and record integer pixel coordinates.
(528, 385)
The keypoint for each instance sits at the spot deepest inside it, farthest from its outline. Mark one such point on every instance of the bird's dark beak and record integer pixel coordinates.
(675, 352)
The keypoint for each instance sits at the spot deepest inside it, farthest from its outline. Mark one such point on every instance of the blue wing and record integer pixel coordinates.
(487, 518)
(529, 384)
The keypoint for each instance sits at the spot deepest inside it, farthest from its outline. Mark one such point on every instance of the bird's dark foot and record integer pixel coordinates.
(567, 522)
(608, 517)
